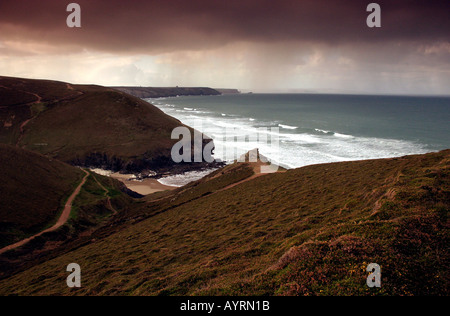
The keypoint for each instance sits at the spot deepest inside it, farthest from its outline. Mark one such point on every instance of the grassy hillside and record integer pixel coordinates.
(33, 190)
(309, 231)
(20, 99)
(85, 125)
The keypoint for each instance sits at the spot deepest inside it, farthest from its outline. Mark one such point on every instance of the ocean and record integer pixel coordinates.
(317, 128)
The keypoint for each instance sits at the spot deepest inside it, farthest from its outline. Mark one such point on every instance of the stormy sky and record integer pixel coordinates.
(259, 45)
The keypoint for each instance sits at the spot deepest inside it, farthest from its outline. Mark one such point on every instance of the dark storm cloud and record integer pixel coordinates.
(153, 26)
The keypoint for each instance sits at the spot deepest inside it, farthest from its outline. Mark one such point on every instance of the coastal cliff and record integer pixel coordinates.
(152, 92)
(88, 126)
(229, 91)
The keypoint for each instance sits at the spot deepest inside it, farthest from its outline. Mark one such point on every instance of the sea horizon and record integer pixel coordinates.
(321, 119)
(354, 93)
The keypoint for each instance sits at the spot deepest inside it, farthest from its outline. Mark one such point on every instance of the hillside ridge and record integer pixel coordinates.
(88, 125)
(307, 231)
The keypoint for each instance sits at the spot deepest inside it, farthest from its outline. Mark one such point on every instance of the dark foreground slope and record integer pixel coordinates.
(85, 125)
(33, 190)
(309, 231)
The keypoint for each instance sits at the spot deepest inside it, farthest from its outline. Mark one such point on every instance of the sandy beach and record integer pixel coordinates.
(144, 187)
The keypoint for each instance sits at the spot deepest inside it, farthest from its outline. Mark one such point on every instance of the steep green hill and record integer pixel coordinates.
(309, 231)
(86, 125)
(33, 190)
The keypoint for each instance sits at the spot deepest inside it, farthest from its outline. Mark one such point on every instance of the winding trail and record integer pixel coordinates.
(61, 221)
(22, 126)
(37, 101)
(22, 131)
(240, 182)
(108, 201)
(256, 174)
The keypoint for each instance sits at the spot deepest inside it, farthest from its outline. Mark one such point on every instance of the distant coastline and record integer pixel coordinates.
(161, 92)
(166, 92)
(229, 91)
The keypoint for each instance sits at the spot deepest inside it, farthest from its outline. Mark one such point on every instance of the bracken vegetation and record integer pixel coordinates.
(309, 231)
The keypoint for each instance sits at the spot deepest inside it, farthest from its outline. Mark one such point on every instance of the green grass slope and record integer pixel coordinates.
(85, 125)
(33, 191)
(309, 231)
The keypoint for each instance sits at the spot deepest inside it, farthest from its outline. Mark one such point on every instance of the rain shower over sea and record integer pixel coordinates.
(318, 128)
